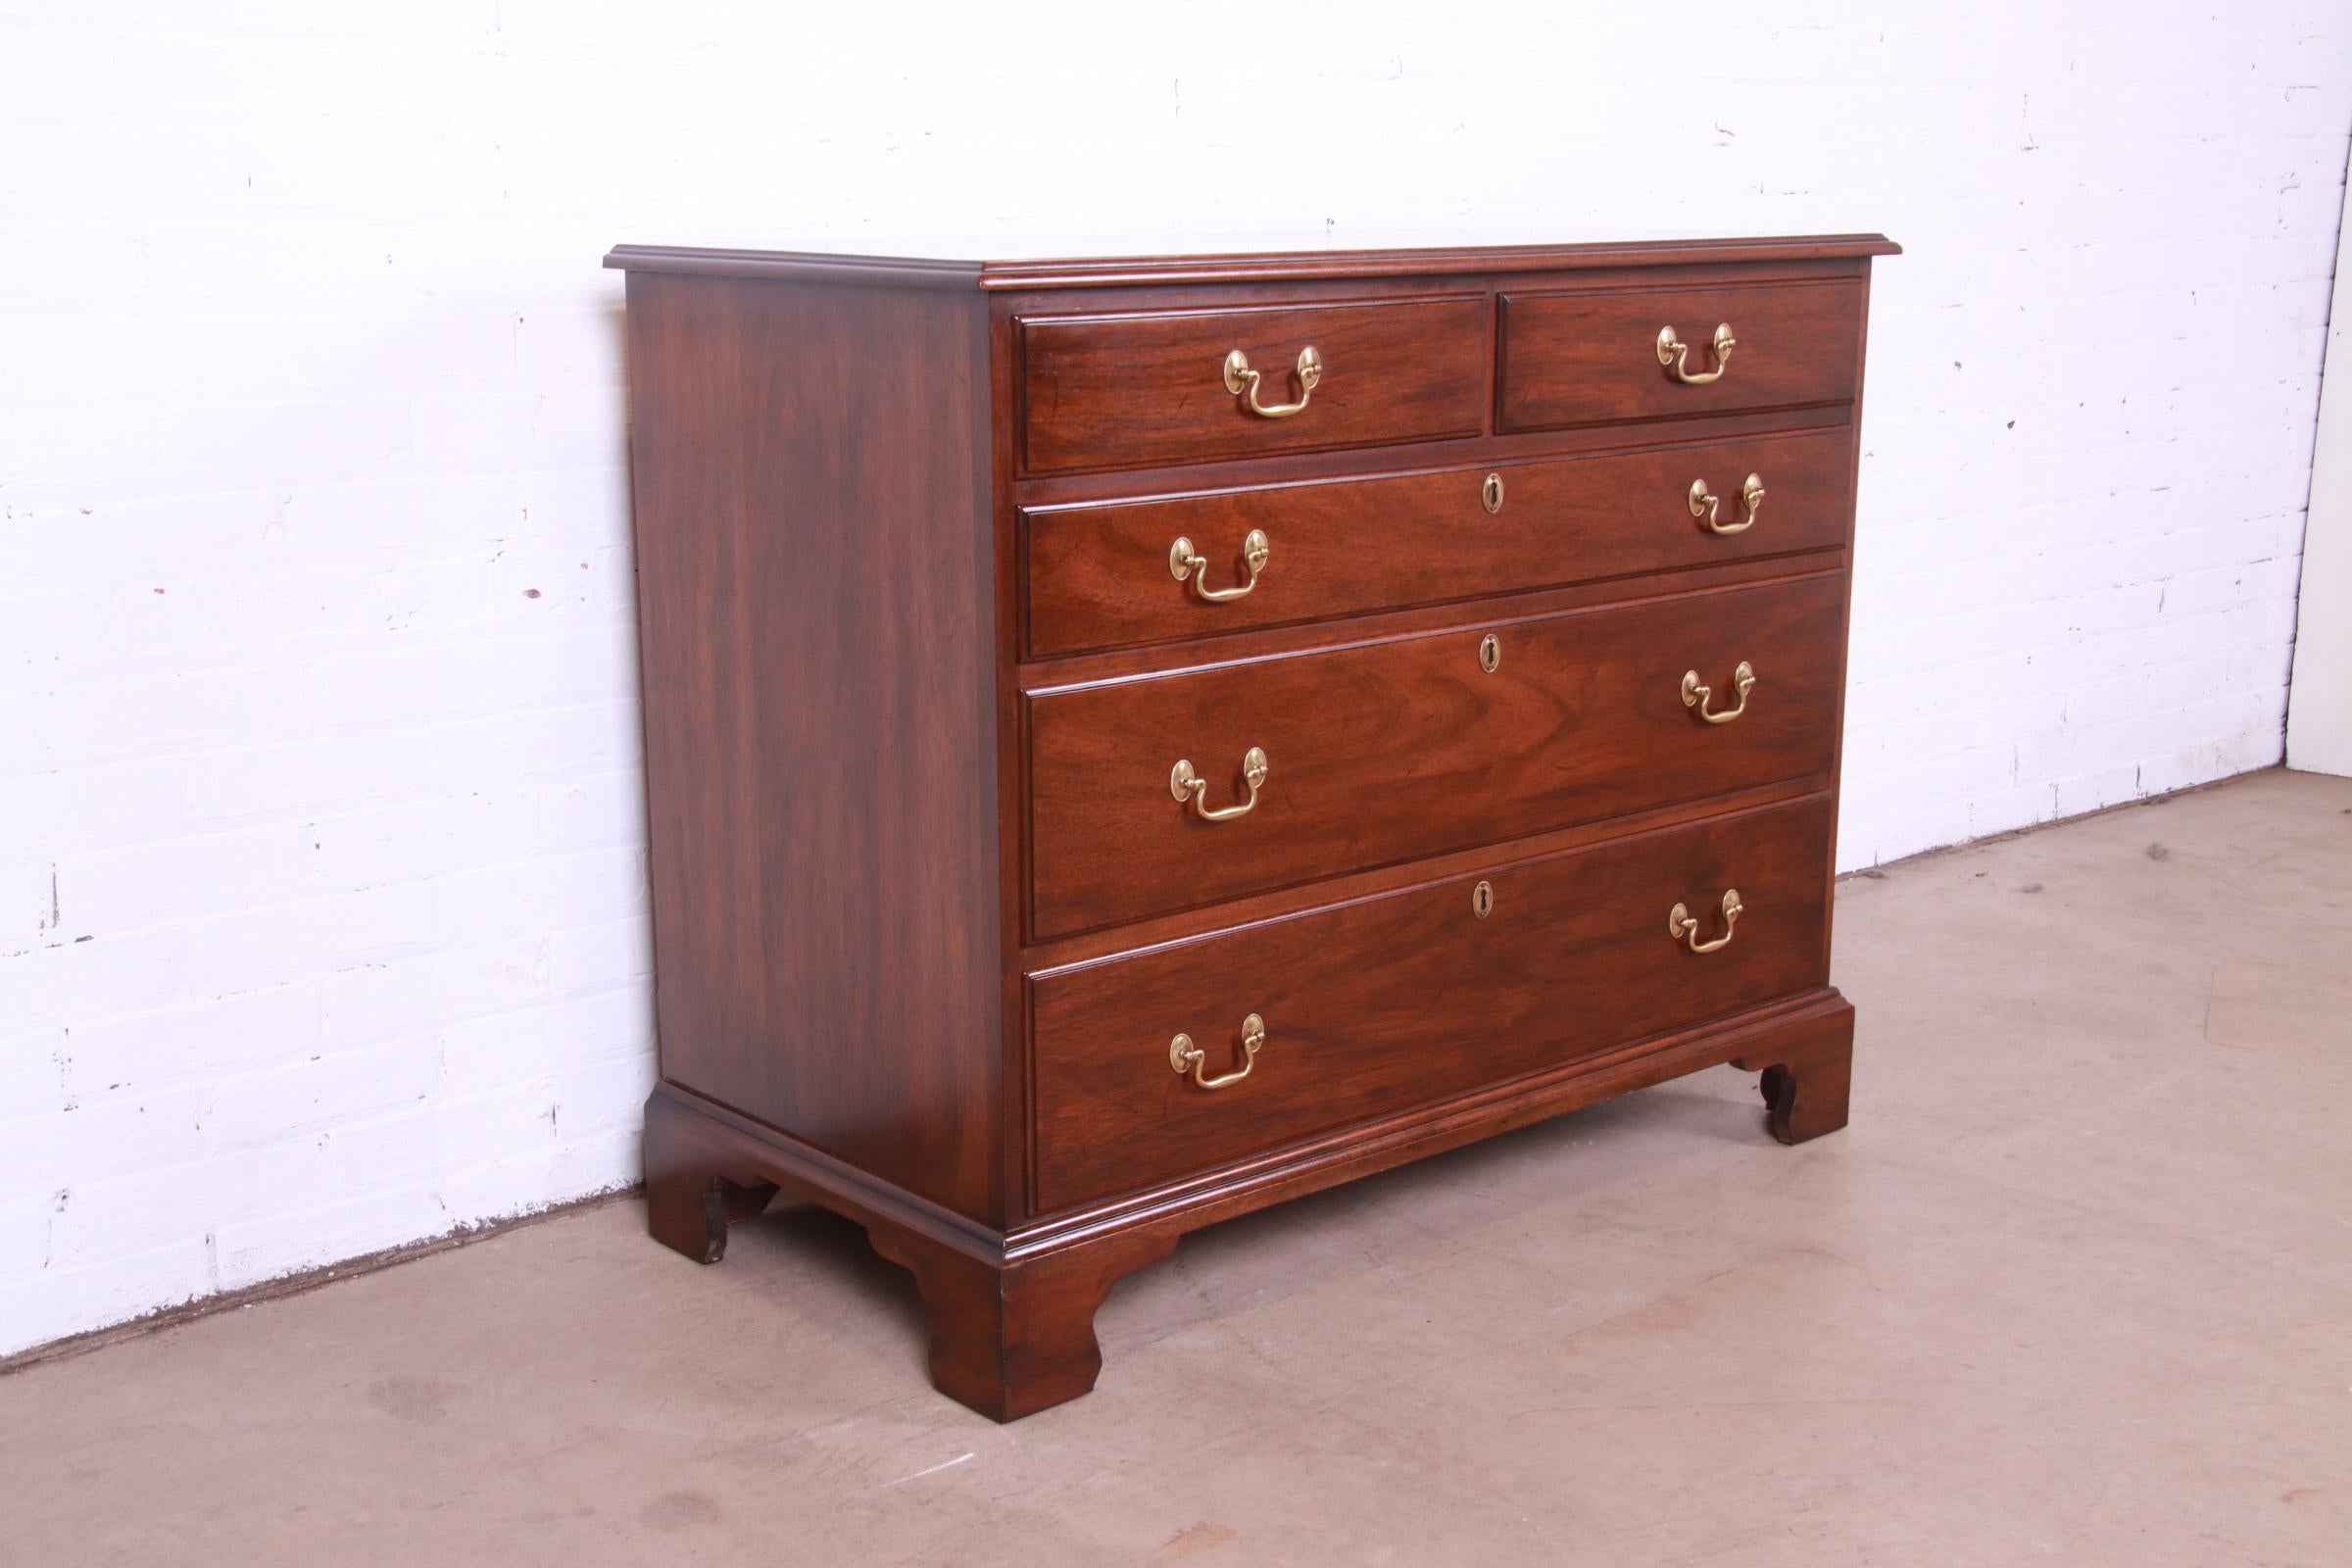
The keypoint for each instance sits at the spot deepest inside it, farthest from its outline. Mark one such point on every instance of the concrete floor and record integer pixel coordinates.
(2076, 1287)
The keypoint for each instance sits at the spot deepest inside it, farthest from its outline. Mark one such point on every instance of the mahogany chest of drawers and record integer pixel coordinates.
(1129, 741)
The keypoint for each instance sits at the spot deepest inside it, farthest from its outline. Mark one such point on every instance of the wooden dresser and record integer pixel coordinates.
(1130, 742)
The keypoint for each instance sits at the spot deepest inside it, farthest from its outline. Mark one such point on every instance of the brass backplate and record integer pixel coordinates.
(1489, 653)
(1482, 899)
(1491, 493)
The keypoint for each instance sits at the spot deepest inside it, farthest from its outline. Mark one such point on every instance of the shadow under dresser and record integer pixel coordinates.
(1129, 741)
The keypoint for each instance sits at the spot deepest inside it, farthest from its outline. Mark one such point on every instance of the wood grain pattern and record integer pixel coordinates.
(1011, 1352)
(1395, 750)
(1291, 269)
(1263, 266)
(1805, 1093)
(1097, 572)
(1127, 390)
(1846, 619)
(821, 811)
(1407, 999)
(1591, 357)
(1012, 1330)
(1010, 1338)
(925, 913)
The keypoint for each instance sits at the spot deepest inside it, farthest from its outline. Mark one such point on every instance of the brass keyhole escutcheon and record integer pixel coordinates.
(1491, 493)
(1489, 653)
(1482, 899)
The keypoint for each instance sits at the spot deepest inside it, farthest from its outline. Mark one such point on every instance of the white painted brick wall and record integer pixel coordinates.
(321, 904)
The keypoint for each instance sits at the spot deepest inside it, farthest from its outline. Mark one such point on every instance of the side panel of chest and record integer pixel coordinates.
(819, 644)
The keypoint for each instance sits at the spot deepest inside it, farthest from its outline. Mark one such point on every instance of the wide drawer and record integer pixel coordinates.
(1376, 1007)
(1572, 358)
(1136, 389)
(1390, 751)
(1112, 574)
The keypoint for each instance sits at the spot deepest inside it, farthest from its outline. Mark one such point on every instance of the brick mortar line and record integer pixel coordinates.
(302, 1282)
(309, 1279)
(1873, 872)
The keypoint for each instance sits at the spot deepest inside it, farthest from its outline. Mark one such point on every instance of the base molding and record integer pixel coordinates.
(1012, 1309)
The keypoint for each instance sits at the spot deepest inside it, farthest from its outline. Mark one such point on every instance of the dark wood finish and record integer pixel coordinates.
(1123, 391)
(1805, 1090)
(1074, 671)
(693, 1192)
(1390, 751)
(1573, 958)
(1010, 1338)
(1097, 571)
(1011, 1331)
(990, 1357)
(1591, 357)
(1264, 267)
(822, 810)
(1346, 887)
(896, 679)
(1845, 624)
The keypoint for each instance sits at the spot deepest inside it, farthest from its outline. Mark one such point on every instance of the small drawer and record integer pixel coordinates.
(1376, 1007)
(1119, 573)
(1136, 390)
(1598, 358)
(1170, 792)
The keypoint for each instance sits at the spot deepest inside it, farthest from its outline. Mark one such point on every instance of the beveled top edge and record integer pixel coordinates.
(807, 265)
(1263, 266)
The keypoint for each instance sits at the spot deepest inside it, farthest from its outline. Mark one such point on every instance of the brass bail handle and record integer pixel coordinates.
(1187, 1057)
(1683, 926)
(1186, 784)
(1703, 504)
(1187, 564)
(1696, 694)
(1675, 355)
(1243, 382)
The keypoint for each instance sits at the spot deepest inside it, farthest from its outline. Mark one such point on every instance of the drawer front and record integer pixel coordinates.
(1390, 751)
(1133, 390)
(1374, 1007)
(1593, 359)
(1106, 576)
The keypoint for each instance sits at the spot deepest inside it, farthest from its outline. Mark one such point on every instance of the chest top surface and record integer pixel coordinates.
(969, 271)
